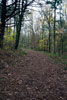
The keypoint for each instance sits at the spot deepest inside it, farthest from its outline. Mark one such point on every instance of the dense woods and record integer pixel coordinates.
(33, 49)
(39, 25)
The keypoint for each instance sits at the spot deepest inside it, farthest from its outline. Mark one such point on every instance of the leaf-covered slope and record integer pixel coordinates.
(33, 76)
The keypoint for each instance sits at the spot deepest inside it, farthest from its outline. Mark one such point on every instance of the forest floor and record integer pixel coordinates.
(33, 76)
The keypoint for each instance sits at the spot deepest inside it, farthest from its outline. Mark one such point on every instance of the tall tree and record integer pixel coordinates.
(54, 5)
(4, 16)
(10, 10)
(22, 8)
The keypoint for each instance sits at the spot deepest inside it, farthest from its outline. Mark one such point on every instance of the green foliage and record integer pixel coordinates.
(57, 58)
(61, 58)
(43, 44)
(61, 37)
(9, 38)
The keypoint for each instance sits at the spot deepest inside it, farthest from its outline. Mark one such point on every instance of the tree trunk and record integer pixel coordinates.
(49, 38)
(54, 30)
(62, 43)
(17, 39)
(18, 29)
(3, 17)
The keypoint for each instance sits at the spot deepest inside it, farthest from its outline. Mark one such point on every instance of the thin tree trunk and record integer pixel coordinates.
(62, 43)
(54, 30)
(60, 29)
(49, 38)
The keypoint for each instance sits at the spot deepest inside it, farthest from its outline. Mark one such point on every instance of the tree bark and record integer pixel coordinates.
(62, 42)
(54, 31)
(3, 17)
(49, 36)
(18, 29)
(3, 20)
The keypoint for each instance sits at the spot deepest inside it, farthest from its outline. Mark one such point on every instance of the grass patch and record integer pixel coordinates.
(65, 68)
(58, 58)
(21, 52)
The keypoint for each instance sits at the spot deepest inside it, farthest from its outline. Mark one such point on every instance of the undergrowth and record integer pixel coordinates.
(58, 58)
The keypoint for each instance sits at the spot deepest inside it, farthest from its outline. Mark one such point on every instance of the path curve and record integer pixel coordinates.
(34, 76)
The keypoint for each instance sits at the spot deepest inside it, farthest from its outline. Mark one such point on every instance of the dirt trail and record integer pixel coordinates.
(32, 77)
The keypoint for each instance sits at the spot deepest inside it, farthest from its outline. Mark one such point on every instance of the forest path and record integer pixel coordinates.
(34, 76)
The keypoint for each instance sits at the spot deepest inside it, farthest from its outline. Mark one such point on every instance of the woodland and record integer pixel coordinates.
(33, 49)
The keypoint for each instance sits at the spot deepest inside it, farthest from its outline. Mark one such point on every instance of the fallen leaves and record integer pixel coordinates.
(31, 77)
